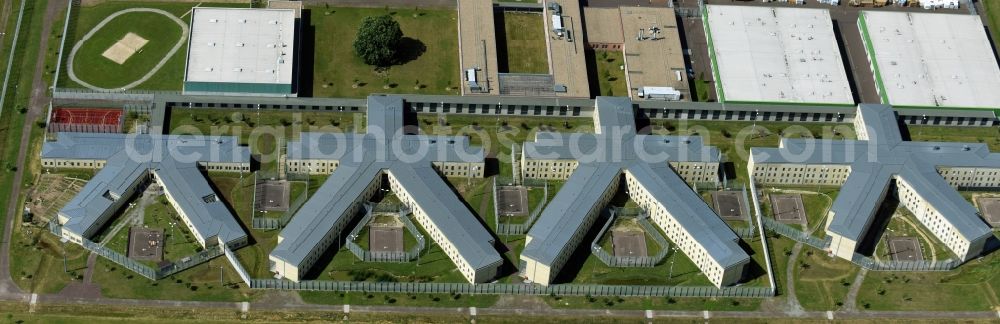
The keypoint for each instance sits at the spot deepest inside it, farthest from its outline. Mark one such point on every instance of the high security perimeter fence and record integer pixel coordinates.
(918, 265)
(140, 268)
(515, 289)
(629, 261)
(498, 106)
(396, 257)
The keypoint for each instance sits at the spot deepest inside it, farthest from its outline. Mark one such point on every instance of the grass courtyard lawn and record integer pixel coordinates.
(734, 139)
(179, 242)
(971, 287)
(904, 224)
(262, 131)
(703, 89)
(816, 204)
(161, 32)
(497, 134)
(609, 73)
(986, 135)
(683, 273)
(430, 44)
(821, 282)
(525, 39)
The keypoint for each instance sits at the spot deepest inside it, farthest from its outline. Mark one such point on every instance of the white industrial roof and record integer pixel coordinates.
(930, 59)
(241, 45)
(776, 55)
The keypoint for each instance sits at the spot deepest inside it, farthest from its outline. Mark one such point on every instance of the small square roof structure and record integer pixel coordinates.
(931, 59)
(241, 51)
(784, 55)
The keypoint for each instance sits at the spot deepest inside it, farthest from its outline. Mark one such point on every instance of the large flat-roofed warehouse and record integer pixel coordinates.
(241, 51)
(925, 175)
(931, 60)
(651, 44)
(654, 168)
(127, 162)
(413, 166)
(779, 55)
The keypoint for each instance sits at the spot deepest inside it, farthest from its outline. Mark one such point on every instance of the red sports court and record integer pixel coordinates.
(87, 120)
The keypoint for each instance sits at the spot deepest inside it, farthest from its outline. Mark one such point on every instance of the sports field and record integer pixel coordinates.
(429, 66)
(161, 32)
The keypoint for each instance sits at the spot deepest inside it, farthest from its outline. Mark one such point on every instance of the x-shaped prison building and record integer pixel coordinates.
(126, 162)
(924, 176)
(654, 169)
(411, 164)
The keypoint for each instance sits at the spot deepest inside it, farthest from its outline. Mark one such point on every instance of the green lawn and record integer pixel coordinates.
(970, 287)
(525, 40)
(821, 281)
(399, 299)
(161, 32)
(986, 135)
(610, 74)
(904, 224)
(703, 90)
(430, 39)
(728, 136)
(992, 8)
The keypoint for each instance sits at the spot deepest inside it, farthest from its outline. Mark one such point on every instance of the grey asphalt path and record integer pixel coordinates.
(36, 106)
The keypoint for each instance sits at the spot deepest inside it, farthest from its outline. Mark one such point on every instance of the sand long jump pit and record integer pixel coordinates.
(124, 48)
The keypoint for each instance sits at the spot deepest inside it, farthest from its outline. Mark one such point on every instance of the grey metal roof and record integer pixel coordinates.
(564, 215)
(405, 157)
(691, 212)
(317, 217)
(619, 147)
(128, 158)
(195, 197)
(84, 210)
(879, 160)
(602, 158)
(448, 213)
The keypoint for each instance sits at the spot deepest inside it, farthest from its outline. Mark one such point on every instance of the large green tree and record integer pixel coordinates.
(377, 41)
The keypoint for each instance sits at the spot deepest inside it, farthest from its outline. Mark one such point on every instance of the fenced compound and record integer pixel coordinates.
(630, 261)
(52, 192)
(259, 220)
(367, 255)
(88, 120)
(140, 268)
(794, 234)
(514, 289)
(917, 265)
(505, 228)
